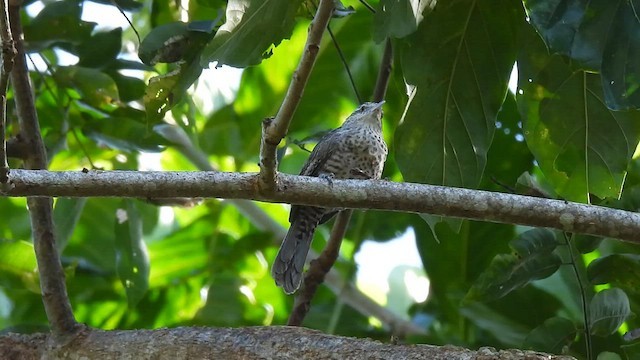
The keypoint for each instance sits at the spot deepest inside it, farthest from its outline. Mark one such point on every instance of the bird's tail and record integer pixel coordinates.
(289, 263)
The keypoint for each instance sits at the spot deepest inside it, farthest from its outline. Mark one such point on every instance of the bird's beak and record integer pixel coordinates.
(379, 105)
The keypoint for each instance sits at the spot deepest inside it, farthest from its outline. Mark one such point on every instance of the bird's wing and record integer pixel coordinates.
(319, 156)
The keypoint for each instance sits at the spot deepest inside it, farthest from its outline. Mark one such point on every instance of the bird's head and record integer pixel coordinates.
(369, 113)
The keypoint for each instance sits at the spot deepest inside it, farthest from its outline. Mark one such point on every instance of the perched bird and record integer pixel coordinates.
(356, 150)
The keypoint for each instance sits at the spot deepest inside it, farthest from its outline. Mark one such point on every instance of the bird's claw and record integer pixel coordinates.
(328, 177)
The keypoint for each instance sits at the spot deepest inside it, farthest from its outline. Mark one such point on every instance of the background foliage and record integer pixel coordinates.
(569, 130)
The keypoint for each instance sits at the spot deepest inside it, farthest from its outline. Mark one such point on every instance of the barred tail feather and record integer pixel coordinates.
(289, 263)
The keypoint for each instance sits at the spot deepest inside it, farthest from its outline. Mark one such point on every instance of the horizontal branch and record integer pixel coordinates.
(240, 343)
(364, 194)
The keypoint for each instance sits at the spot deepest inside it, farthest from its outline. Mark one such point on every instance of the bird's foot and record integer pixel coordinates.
(328, 177)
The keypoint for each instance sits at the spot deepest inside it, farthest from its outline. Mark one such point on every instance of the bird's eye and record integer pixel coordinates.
(361, 108)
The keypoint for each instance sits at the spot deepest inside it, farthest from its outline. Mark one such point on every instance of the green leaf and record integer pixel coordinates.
(65, 217)
(399, 18)
(581, 146)
(600, 35)
(507, 273)
(608, 309)
(18, 266)
(623, 270)
(251, 29)
(534, 242)
(503, 328)
(174, 257)
(95, 87)
(165, 44)
(552, 336)
(632, 351)
(124, 134)
(608, 355)
(94, 56)
(132, 259)
(126, 5)
(59, 21)
(533, 260)
(164, 91)
(457, 65)
(129, 88)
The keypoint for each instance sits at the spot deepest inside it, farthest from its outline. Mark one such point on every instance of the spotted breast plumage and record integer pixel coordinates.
(356, 150)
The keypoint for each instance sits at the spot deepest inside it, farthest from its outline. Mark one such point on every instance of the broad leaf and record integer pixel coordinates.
(124, 134)
(581, 146)
(533, 260)
(132, 259)
(399, 18)
(600, 35)
(251, 29)
(457, 66)
(623, 270)
(503, 328)
(58, 22)
(65, 217)
(95, 87)
(18, 268)
(607, 311)
(552, 336)
(99, 56)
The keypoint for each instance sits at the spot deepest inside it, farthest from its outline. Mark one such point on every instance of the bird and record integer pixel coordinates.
(355, 150)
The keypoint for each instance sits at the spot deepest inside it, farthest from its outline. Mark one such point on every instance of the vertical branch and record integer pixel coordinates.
(52, 280)
(319, 268)
(8, 54)
(274, 130)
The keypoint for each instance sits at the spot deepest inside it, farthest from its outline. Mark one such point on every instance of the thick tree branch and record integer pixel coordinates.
(240, 343)
(52, 285)
(8, 54)
(363, 194)
(274, 130)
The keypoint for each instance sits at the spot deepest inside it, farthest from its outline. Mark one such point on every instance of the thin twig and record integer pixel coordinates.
(346, 65)
(273, 131)
(8, 54)
(52, 284)
(318, 269)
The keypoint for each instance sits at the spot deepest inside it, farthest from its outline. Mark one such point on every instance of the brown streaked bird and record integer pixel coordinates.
(356, 150)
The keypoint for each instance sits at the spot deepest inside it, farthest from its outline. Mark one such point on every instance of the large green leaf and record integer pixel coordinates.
(251, 28)
(623, 270)
(58, 22)
(18, 268)
(533, 260)
(582, 147)
(600, 35)
(94, 56)
(132, 259)
(399, 18)
(95, 87)
(508, 331)
(124, 134)
(457, 65)
(65, 217)
(552, 336)
(607, 311)
(173, 42)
